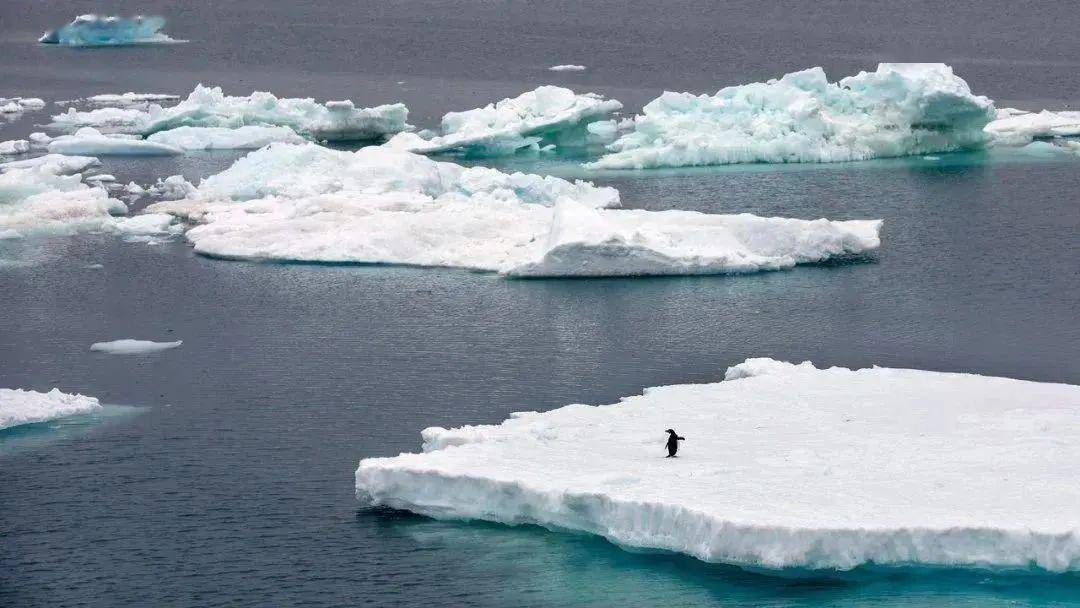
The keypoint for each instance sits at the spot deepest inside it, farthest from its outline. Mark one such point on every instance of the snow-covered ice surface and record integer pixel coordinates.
(380, 205)
(47, 193)
(567, 67)
(88, 141)
(14, 146)
(509, 125)
(218, 138)
(95, 30)
(898, 110)
(18, 407)
(1017, 127)
(210, 107)
(784, 466)
(129, 346)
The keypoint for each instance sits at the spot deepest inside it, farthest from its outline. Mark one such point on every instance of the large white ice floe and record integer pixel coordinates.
(504, 127)
(385, 206)
(783, 466)
(48, 193)
(1017, 127)
(95, 30)
(128, 346)
(218, 138)
(210, 107)
(898, 110)
(19, 406)
(88, 141)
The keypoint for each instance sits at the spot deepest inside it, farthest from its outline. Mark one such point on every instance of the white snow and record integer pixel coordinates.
(47, 193)
(19, 406)
(90, 141)
(210, 107)
(783, 466)
(511, 124)
(128, 346)
(1017, 127)
(567, 67)
(94, 30)
(899, 110)
(14, 146)
(379, 205)
(219, 138)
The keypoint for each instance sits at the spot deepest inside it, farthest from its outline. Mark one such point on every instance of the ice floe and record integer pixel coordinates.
(1017, 127)
(783, 466)
(210, 107)
(128, 346)
(129, 99)
(18, 407)
(14, 105)
(525, 121)
(380, 205)
(48, 193)
(91, 142)
(567, 67)
(898, 110)
(95, 30)
(14, 146)
(217, 138)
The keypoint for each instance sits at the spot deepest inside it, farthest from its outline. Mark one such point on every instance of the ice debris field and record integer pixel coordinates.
(95, 30)
(783, 466)
(18, 407)
(381, 205)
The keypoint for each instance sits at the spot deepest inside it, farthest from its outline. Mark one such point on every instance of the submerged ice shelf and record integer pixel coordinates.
(18, 407)
(94, 30)
(386, 206)
(898, 110)
(783, 466)
(526, 121)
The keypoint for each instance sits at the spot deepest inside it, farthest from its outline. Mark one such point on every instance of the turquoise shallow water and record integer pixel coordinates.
(231, 482)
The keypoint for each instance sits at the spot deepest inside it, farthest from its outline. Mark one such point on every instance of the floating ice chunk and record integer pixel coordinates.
(899, 110)
(128, 346)
(511, 124)
(9, 107)
(210, 107)
(48, 194)
(380, 205)
(134, 189)
(103, 177)
(172, 188)
(15, 105)
(149, 224)
(129, 99)
(590, 242)
(14, 146)
(90, 141)
(1017, 127)
(18, 407)
(567, 67)
(783, 466)
(93, 30)
(218, 138)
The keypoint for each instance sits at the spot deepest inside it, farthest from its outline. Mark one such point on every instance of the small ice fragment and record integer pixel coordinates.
(129, 346)
(567, 67)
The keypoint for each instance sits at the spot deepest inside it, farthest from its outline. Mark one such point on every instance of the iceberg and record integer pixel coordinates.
(18, 407)
(89, 141)
(94, 30)
(210, 107)
(898, 110)
(13, 147)
(384, 206)
(784, 466)
(218, 138)
(567, 67)
(48, 193)
(1017, 127)
(128, 346)
(504, 127)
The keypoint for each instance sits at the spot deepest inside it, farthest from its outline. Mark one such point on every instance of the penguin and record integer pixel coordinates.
(673, 443)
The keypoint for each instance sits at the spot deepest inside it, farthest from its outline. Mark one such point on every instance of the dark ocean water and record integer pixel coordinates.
(224, 475)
